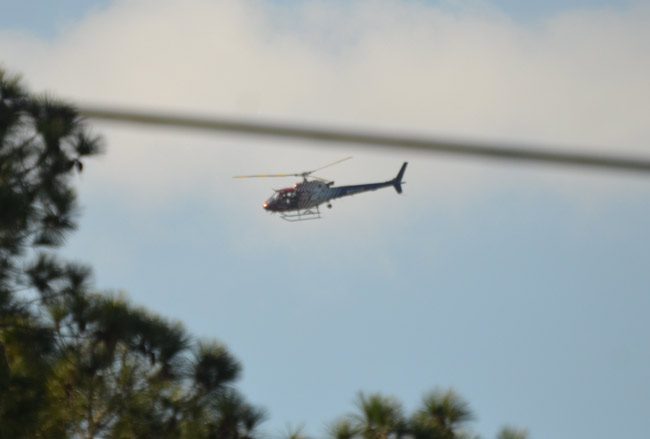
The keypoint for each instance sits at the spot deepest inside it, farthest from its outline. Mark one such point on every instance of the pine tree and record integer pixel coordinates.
(75, 362)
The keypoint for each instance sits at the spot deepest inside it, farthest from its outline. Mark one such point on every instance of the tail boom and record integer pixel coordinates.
(344, 191)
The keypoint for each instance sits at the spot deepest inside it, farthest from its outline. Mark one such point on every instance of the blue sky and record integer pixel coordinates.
(525, 289)
(49, 18)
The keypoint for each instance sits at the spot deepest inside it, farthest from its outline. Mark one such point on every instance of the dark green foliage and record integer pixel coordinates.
(343, 429)
(441, 415)
(512, 433)
(73, 362)
(214, 368)
(378, 416)
(235, 419)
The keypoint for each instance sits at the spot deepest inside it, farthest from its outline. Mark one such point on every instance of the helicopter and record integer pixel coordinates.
(301, 202)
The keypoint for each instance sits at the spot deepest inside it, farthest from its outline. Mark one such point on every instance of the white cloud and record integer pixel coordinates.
(579, 78)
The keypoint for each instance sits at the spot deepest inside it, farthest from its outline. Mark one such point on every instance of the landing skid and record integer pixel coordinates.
(301, 215)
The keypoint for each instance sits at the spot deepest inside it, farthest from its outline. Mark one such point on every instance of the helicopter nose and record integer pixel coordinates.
(266, 205)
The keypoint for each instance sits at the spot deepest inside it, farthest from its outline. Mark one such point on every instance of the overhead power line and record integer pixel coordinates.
(513, 153)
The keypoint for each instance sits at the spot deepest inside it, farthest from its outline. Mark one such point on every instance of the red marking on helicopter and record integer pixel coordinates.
(301, 202)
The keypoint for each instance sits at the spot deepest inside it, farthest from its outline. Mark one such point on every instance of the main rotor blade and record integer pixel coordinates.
(458, 147)
(331, 164)
(267, 175)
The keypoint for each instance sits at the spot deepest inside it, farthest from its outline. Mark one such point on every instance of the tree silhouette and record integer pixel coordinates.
(441, 416)
(378, 416)
(74, 362)
(343, 429)
(512, 433)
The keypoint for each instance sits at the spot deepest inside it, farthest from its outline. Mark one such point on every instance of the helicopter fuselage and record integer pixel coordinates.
(312, 193)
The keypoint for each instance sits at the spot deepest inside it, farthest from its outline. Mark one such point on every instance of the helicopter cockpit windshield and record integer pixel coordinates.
(284, 199)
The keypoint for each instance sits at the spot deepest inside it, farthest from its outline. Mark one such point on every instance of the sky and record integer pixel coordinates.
(525, 288)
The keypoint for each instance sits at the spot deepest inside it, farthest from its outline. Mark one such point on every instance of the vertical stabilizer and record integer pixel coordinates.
(397, 182)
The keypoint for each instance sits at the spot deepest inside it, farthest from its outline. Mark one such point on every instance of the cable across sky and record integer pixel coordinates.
(375, 139)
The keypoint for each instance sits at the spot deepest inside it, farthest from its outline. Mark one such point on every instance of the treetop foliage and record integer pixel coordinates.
(440, 415)
(75, 362)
